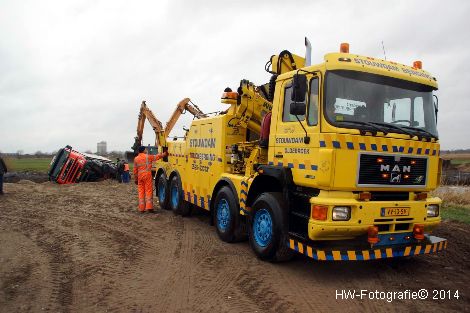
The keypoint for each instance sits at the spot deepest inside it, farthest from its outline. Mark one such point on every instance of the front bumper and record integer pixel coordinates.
(368, 213)
(430, 244)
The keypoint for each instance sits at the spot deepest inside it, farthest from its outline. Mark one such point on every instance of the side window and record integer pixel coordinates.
(312, 118)
(418, 112)
(286, 116)
(397, 110)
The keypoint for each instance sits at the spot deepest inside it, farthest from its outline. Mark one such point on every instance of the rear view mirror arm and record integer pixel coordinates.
(306, 138)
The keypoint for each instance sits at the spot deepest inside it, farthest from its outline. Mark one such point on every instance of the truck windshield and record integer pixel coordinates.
(58, 162)
(367, 101)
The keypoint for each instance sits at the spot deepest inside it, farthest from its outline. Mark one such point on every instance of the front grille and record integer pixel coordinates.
(386, 225)
(383, 228)
(392, 170)
(400, 227)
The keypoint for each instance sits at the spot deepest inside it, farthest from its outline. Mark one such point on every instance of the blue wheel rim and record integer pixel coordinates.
(161, 192)
(263, 227)
(223, 215)
(174, 197)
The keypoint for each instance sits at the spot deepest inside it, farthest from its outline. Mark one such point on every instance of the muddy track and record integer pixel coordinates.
(84, 248)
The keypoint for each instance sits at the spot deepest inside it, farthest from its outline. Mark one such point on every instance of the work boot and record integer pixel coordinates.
(142, 212)
(151, 211)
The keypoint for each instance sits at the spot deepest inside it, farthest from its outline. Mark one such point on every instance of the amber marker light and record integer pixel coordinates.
(418, 231)
(421, 196)
(380, 160)
(344, 47)
(319, 212)
(406, 176)
(413, 162)
(418, 64)
(372, 234)
(229, 95)
(384, 175)
(365, 196)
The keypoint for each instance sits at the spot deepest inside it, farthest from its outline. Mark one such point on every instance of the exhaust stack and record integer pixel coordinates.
(308, 52)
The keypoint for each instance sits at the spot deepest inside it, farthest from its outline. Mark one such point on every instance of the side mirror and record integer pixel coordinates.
(297, 108)
(436, 105)
(299, 88)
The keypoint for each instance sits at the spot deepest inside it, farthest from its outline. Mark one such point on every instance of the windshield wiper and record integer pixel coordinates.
(431, 135)
(403, 130)
(371, 125)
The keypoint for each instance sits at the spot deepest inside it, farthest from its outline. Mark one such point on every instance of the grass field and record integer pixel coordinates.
(459, 161)
(456, 213)
(456, 203)
(457, 158)
(28, 165)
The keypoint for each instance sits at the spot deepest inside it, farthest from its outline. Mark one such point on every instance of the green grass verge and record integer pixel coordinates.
(456, 213)
(459, 161)
(29, 164)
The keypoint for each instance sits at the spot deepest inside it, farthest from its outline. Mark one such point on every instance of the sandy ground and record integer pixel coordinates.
(84, 248)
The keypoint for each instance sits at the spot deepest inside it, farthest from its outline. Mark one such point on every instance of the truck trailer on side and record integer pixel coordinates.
(335, 161)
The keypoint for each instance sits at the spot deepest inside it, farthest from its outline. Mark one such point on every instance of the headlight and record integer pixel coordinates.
(433, 210)
(341, 213)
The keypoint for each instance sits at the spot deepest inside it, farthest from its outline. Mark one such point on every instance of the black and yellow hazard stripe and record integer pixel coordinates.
(434, 245)
(193, 197)
(378, 144)
(305, 165)
(244, 185)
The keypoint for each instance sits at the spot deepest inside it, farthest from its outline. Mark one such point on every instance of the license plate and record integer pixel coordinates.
(395, 211)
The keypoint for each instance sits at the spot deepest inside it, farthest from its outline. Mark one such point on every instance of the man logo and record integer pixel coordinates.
(396, 168)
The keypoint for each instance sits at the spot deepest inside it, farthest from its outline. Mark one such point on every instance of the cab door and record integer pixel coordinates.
(291, 148)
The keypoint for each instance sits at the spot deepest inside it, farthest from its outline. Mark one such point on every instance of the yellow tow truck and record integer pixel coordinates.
(334, 160)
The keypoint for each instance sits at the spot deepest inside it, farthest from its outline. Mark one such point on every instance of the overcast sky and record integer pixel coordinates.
(75, 72)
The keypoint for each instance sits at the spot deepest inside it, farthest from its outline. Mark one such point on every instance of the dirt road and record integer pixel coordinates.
(84, 248)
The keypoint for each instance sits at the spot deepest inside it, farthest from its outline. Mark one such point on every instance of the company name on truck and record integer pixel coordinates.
(202, 143)
(290, 140)
(391, 67)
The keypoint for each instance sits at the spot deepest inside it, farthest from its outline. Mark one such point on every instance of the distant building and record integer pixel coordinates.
(101, 148)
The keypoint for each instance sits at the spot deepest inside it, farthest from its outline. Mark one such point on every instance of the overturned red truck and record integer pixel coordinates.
(70, 166)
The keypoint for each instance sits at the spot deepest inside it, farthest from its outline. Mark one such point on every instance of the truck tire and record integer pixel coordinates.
(228, 222)
(177, 203)
(268, 228)
(162, 192)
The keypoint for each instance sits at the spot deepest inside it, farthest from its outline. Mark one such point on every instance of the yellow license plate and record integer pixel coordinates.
(395, 211)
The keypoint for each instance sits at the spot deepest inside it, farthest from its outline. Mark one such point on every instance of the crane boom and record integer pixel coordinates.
(181, 107)
(250, 106)
(162, 133)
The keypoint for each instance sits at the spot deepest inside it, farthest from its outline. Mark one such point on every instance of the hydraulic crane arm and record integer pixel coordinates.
(181, 107)
(160, 132)
(250, 106)
(146, 114)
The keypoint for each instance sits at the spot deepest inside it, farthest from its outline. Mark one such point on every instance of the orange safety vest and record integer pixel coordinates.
(143, 163)
(126, 167)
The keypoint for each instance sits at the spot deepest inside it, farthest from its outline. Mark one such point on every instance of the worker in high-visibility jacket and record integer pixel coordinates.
(143, 178)
(126, 176)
